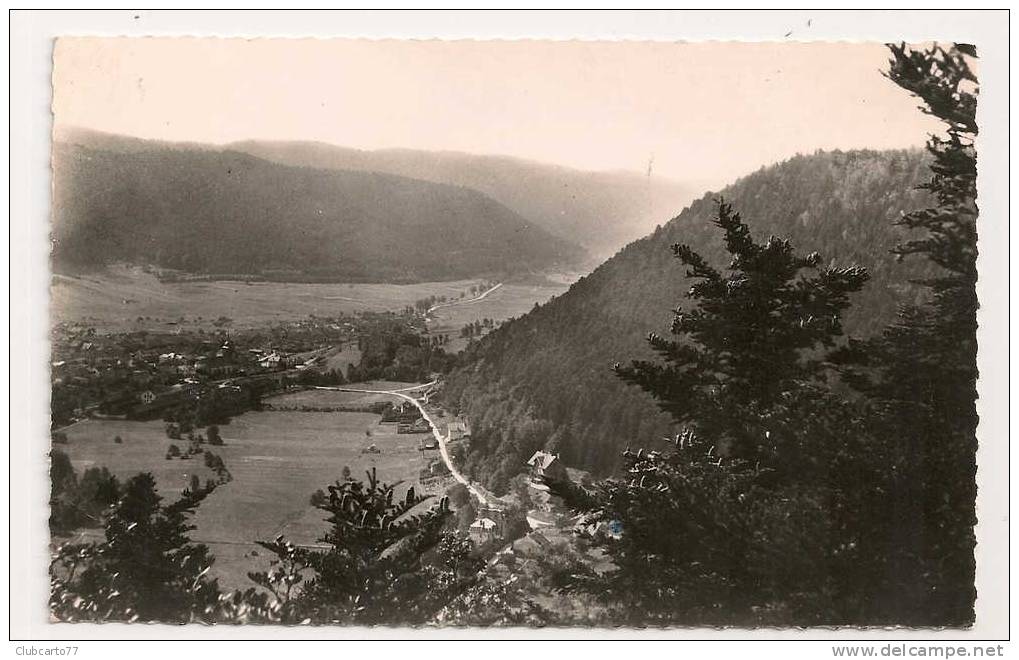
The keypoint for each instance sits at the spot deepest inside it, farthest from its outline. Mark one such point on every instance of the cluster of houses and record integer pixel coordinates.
(552, 525)
(548, 511)
(226, 362)
(109, 375)
(407, 418)
(220, 361)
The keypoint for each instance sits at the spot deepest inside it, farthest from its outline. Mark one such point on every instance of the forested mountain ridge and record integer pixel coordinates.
(544, 380)
(203, 210)
(601, 211)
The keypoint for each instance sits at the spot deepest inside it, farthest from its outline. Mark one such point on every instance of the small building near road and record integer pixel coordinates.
(436, 468)
(418, 426)
(271, 361)
(483, 530)
(402, 412)
(546, 466)
(459, 429)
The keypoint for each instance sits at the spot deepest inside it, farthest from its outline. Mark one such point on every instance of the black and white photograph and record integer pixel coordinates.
(530, 335)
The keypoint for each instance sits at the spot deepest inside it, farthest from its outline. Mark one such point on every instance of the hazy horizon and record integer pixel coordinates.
(60, 131)
(702, 114)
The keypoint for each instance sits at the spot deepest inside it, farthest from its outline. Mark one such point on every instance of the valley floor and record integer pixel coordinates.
(301, 442)
(277, 458)
(124, 299)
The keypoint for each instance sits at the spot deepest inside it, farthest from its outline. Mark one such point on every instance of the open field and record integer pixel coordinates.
(124, 299)
(509, 300)
(277, 459)
(328, 398)
(114, 300)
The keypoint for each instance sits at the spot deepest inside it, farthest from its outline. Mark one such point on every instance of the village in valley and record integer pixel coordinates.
(155, 398)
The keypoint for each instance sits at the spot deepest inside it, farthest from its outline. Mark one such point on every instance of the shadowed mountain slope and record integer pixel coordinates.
(601, 211)
(544, 380)
(204, 210)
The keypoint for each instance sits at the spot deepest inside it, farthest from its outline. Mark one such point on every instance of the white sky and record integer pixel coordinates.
(707, 112)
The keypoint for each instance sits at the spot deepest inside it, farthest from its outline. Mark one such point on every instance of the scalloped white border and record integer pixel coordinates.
(30, 48)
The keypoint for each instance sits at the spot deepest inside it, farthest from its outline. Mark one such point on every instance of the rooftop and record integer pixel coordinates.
(483, 523)
(542, 459)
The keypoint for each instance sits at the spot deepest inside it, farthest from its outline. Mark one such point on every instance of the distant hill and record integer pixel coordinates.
(601, 211)
(86, 137)
(544, 380)
(204, 210)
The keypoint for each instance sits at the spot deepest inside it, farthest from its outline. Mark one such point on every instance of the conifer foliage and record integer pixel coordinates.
(385, 561)
(146, 569)
(740, 518)
(372, 570)
(786, 499)
(921, 373)
(751, 345)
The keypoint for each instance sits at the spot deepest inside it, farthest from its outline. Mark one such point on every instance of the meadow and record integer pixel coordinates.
(122, 299)
(277, 459)
(127, 299)
(333, 398)
(508, 301)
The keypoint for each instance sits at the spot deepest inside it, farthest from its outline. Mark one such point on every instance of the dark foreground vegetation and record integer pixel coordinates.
(807, 478)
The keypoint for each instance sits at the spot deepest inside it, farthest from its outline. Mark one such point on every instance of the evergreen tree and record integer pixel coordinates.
(146, 569)
(215, 438)
(751, 349)
(921, 372)
(62, 475)
(76, 503)
(750, 514)
(64, 515)
(373, 571)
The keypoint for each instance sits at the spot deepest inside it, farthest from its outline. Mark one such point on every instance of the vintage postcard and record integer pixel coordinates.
(492, 333)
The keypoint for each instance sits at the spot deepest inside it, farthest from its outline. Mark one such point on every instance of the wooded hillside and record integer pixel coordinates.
(545, 379)
(223, 212)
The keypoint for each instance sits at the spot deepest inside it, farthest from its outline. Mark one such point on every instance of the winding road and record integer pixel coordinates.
(443, 449)
(454, 303)
(402, 393)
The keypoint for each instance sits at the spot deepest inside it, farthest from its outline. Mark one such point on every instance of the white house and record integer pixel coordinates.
(545, 465)
(483, 530)
(270, 361)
